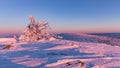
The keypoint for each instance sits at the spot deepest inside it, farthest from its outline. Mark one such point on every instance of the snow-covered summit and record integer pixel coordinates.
(59, 54)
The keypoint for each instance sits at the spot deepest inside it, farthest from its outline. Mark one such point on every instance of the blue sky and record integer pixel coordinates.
(62, 15)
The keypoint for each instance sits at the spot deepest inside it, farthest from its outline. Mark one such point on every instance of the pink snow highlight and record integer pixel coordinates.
(7, 40)
(62, 47)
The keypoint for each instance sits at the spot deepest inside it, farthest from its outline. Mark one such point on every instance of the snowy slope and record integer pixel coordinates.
(59, 54)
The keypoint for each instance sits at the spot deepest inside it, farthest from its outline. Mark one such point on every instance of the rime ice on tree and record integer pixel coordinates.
(36, 31)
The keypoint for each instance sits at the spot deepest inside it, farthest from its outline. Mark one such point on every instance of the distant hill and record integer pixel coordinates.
(95, 38)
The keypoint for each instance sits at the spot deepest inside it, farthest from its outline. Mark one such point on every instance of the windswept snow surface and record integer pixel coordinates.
(58, 54)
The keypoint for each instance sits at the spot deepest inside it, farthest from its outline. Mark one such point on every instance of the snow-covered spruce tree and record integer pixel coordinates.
(36, 31)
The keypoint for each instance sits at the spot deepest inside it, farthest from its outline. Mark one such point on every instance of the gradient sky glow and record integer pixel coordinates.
(62, 15)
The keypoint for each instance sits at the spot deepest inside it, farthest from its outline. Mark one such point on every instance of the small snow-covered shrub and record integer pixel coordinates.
(36, 31)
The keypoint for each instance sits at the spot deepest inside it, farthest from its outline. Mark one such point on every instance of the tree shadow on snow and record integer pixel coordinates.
(4, 63)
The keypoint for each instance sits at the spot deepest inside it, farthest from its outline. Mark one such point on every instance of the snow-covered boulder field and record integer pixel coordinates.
(58, 54)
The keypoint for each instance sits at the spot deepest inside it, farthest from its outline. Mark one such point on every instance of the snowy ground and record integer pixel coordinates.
(58, 54)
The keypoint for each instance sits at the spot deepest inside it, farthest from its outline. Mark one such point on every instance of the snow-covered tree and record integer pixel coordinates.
(36, 31)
